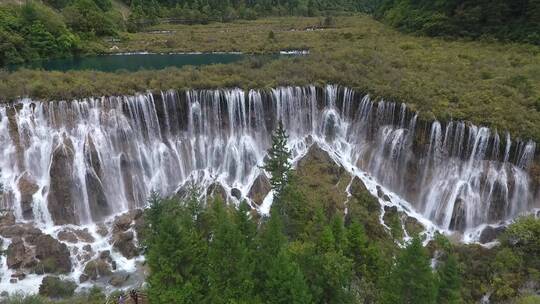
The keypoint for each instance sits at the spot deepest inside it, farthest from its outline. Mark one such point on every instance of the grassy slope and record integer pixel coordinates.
(488, 83)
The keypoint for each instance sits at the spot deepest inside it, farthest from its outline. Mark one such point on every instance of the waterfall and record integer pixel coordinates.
(96, 157)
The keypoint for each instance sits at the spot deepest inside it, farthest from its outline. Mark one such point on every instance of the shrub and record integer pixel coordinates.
(54, 287)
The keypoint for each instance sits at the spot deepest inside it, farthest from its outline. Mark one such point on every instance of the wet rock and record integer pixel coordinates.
(60, 199)
(102, 229)
(412, 225)
(130, 190)
(118, 280)
(490, 234)
(216, 190)
(32, 234)
(380, 192)
(19, 275)
(498, 205)
(357, 187)
(13, 281)
(386, 198)
(16, 253)
(457, 221)
(84, 235)
(260, 188)
(96, 269)
(99, 207)
(71, 235)
(25, 230)
(235, 192)
(54, 287)
(105, 255)
(124, 243)
(91, 156)
(7, 219)
(27, 188)
(83, 278)
(53, 255)
(84, 255)
(67, 236)
(12, 231)
(139, 226)
(122, 222)
(127, 220)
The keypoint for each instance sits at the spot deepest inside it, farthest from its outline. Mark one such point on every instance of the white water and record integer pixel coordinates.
(464, 178)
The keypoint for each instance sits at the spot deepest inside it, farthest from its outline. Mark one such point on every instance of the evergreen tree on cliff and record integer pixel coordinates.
(411, 279)
(278, 164)
(449, 282)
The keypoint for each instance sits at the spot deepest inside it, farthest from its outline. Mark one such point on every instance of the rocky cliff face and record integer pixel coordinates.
(74, 172)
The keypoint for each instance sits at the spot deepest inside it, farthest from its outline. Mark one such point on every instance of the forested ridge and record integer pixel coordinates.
(515, 20)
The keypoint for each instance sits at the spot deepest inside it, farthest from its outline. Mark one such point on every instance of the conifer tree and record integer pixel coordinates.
(411, 279)
(176, 253)
(229, 267)
(449, 282)
(285, 282)
(278, 164)
(270, 242)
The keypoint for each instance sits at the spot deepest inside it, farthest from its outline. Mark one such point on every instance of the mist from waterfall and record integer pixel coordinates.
(96, 157)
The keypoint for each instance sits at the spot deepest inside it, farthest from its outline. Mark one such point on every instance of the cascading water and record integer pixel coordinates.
(93, 158)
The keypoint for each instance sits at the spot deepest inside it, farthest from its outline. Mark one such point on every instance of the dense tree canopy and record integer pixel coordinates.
(503, 19)
(36, 31)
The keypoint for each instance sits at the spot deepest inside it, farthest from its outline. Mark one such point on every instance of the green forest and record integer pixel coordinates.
(63, 28)
(515, 20)
(36, 31)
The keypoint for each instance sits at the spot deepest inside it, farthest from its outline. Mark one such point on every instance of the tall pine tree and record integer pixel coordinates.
(449, 282)
(278, 164)
(411, 279)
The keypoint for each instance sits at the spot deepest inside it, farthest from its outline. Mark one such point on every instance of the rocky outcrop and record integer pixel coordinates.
(327, 165)
(127, 177)
(71, 235)
(216, 190)
(325, 181)
(97, 201)
(123, 239)
(124, 243)
(27, 188)
(53, 255)
(259, 189)
(61, 203)
(490, 234)
(118, 280)
(18, 254)
(95, 269)
(236, 193)
(99, 208)
(457, 221)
